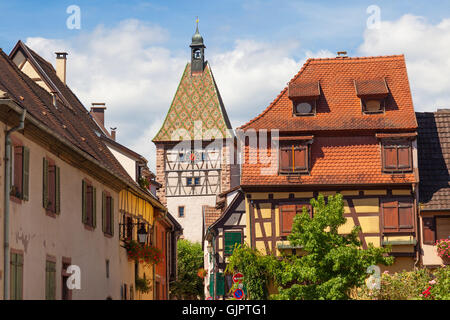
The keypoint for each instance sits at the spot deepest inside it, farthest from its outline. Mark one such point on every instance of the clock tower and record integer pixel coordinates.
(192, 168)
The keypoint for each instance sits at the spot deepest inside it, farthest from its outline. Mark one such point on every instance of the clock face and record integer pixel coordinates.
(197, 54)
(303, 107)
(193, 156)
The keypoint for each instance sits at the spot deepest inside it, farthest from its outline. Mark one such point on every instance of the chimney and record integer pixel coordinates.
(98, 112)
(61, 59)
(342, 54)
(113, 133)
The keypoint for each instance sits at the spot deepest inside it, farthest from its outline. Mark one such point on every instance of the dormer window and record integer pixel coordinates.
(304, 97)
(373, 94)
(294, 156)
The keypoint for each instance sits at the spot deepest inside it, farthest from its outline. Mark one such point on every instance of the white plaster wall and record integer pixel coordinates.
(192, 222)
(39, 235)
(129, 164)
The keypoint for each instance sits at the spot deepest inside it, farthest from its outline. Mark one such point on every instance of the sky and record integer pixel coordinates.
(131, 54)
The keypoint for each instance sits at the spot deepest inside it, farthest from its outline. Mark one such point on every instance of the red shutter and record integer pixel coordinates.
(390, 157)
(390, 215)
(300, 158)
(405, 215)
(299, 209)
(429, 230)
(287, 214)
(403, 157)
(286, 159)
(18, 165)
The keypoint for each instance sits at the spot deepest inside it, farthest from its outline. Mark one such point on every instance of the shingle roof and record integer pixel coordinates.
(197, 99)
(211, 214)
(434, 159)
(339, 108)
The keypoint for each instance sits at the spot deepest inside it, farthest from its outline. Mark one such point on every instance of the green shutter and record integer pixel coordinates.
(231, 239)
(50, 280)
(220, 284)
(112, 216)
(94, 207)
(13, 276)
(57, 191)
(211, 284)
(25, 173)
(45, 184)
(16, 277)
(83, 201)
(104, 212)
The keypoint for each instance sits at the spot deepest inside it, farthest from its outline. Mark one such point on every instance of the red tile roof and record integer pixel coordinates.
(211, 214)
(339, 108)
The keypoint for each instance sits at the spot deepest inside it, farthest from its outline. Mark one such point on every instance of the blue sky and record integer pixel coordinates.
(131, 54)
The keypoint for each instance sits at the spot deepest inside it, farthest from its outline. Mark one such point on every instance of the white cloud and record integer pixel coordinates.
(427, 51)
(130, 69)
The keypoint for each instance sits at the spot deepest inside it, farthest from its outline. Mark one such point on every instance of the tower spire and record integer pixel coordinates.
(197, 51)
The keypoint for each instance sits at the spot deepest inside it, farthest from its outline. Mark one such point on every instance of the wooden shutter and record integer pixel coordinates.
(286, 159)
(442, 227)
(104, 212)
(50, 280)
(404, 157)
(390, 215)
(300, 160)
(429, 230)
(220, 284)
(57, 190)
(405, 215)
(230, 239)
(84, 201)
(390, 157)
(51, 187)
(45, 183)
(94, 207)
(16, 276)
(112, 215)
(26, 174)
(287, 214)
(18, 170)
(13, 277)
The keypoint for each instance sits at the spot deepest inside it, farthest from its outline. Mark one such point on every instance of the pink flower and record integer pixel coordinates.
(432, 282)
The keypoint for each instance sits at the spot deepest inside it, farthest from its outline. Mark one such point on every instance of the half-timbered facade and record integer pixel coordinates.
(342, 125)
(193, 145)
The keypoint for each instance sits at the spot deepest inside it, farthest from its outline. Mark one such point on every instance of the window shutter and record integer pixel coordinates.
(429, 230)
(287, 214)
(104, 213)
(403, 157)
(45, 184)
(13, 276)
(220, 284)
(390, 215)
(26, 173)
(57, 191)
(231, 238)
(300, 158)
(390, 157)
(18, 170)
(51, 187)
(112, 216)
(211, 284)
(84, 201)
(286, 159)
(94, 207)
(405, 215)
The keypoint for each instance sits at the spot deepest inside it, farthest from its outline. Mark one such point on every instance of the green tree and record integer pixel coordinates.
(190, 259)
(333, 263)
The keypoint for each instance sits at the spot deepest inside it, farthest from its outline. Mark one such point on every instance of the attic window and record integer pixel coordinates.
(373, 94)
(304, 97)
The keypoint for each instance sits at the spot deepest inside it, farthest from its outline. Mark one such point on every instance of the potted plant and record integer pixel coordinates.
(143, 253)
(143, 182)
(443, 249)
(142, 285)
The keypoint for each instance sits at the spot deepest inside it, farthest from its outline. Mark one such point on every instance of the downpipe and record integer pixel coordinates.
(7, 190)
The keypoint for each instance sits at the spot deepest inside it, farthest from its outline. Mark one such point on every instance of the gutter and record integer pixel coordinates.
(6, 203)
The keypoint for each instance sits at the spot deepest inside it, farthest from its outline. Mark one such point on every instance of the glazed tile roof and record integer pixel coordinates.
(434, 159)
(70, 120)
(338, 158)
(196, 99)
(339, 108)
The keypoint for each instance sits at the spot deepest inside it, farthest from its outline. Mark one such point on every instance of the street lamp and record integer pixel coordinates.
(142, 234)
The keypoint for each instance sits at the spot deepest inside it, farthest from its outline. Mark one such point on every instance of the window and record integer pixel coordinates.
(181, 211)
(397, 156)
(305, 108)
(189, 181)
(89, 204)
(230, 240)
(398, 216)
(51, 187)
(20, 166)
(50, 280)
(373, 105)
(197, 181)
(287, 215)
(16, 270)
(293, 158)
(429, 230)
(107, 214)
(66, 293)
(107, 269)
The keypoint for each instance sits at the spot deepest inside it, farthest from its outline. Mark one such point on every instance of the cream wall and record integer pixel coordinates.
(129, 164)
(39, 235)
